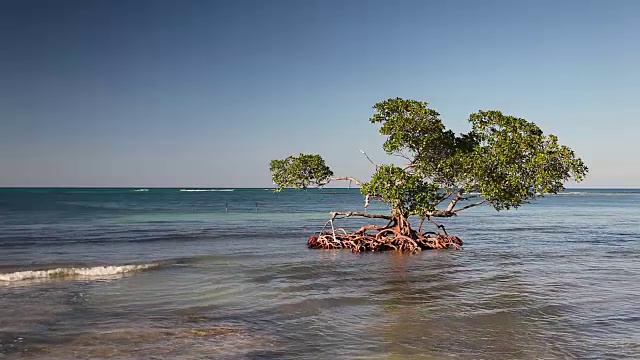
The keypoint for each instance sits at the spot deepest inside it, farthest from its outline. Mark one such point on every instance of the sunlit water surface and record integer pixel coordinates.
(227, 275)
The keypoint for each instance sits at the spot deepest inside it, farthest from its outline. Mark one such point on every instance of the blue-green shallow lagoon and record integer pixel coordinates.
(227, 275)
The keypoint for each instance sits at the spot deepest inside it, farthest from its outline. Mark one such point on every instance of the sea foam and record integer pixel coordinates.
(83, 272)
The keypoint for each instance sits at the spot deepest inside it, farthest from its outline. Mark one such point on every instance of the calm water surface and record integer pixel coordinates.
(556, 279)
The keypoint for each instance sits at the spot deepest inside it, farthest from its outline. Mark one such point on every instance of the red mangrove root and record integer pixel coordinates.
(384, 240)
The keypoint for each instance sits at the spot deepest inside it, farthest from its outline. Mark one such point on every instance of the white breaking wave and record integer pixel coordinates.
(87, 272)
(141, 190)
(201, 190)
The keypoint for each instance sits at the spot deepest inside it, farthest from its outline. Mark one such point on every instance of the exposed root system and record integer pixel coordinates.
(386, 239)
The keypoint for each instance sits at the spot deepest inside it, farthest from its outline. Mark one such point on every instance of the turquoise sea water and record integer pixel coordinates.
(164, 273)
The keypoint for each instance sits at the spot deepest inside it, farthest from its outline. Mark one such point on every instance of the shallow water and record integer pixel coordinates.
(558, 278)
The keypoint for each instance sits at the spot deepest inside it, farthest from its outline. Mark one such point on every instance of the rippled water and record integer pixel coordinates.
(558, 278)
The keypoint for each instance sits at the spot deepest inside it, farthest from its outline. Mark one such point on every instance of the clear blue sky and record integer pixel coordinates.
(205, 93)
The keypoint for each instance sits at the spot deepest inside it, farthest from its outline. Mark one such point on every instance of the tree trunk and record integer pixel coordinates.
(401, 225)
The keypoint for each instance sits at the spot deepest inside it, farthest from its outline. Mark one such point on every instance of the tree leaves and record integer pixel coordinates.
(508, 160)
(408, 193)
(413, 129)
(514, 161)
(300, 171)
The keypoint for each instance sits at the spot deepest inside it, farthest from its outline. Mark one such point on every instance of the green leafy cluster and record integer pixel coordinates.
(507, 159)
(412, 127)
(514, 161)
(416, 133)
(300, 172)
(408, 193)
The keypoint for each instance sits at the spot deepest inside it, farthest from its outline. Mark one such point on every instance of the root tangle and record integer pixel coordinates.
(386, 239)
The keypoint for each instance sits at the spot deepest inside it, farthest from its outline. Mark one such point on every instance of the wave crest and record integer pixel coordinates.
(83, 272)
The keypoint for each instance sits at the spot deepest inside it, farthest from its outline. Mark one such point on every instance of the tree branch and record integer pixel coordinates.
(356, 213)
(440, 213)
(459, 197)
(470, 197)
(358, 182)
(471, 205)
(438, 226)
(368, 158)
(403, 155)
(445, 195)
(455, 200)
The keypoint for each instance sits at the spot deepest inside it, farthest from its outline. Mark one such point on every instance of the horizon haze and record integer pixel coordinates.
(205, 93)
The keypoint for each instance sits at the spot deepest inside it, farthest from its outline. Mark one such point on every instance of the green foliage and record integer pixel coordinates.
(507, 159)
(412, 128)
(514, 161)
(409, 193)
(416, 133)
(300, 172)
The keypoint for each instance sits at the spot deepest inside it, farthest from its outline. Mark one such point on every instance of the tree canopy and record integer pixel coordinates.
(300, 172)
(504, 161)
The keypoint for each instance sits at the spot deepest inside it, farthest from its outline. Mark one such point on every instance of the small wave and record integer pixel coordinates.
(86, 272)
(139, 190)
(203, 190)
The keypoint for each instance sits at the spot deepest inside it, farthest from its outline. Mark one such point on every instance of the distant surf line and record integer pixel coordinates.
(205, 190)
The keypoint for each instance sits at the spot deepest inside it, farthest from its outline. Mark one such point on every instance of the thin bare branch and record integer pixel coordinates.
(439, 226)
(468, 197)
(334, 214)
(455, 200)
(471, 205)
(459, 197)
(358, 182)
(440, 213)
(368, 158)
(403, 155)
(445, 195)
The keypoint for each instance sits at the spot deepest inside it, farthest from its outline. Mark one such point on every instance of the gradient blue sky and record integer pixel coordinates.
(205, 93)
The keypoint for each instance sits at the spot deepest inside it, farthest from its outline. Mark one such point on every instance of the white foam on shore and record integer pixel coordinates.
(201, 190)
(84, 272)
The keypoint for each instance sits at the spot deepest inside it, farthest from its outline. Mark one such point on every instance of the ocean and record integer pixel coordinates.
(226, 274)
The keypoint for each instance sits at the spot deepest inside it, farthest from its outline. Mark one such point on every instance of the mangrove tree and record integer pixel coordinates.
(503, 162)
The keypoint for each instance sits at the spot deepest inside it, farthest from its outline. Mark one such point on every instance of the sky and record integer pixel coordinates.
(206, 93)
